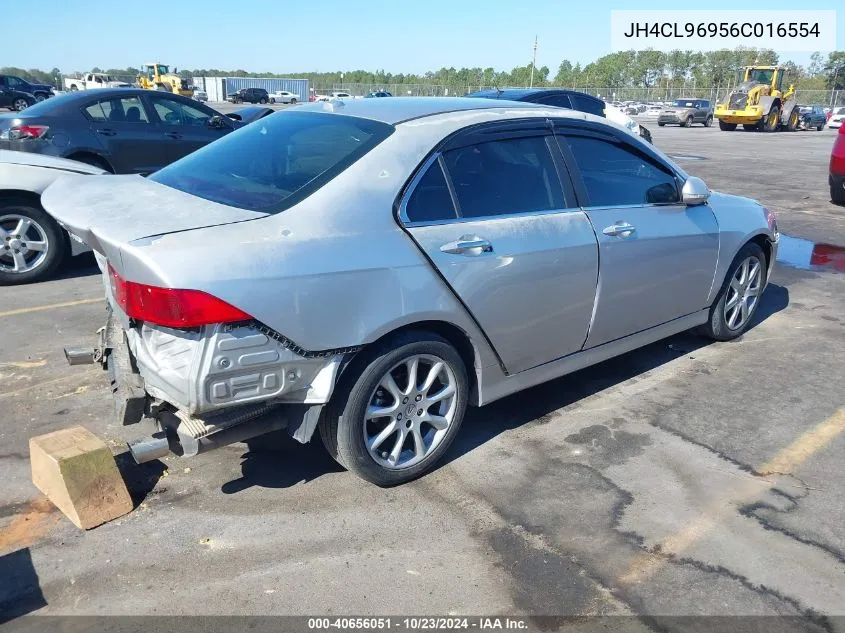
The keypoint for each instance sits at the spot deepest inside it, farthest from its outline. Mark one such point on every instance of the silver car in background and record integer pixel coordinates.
(370, 268)
(685, 112)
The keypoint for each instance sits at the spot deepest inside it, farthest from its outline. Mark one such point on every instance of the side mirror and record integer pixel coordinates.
(695, 191)
(217, 122)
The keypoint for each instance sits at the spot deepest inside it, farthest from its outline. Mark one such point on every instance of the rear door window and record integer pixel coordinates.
(430, 200)
(617, 175)
(558, 101)
(118, 110)
(503, 177)
(275, 162)
(585, 103)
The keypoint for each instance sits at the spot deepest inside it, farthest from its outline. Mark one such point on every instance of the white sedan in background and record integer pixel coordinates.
(283, 96)
(32, 244)
(837, 118)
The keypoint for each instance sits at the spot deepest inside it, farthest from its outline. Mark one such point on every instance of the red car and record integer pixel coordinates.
(837, 168)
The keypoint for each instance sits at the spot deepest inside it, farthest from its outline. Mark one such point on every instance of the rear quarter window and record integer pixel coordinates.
(585, 103)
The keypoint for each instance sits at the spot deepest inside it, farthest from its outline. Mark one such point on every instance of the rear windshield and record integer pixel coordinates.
(276, 161)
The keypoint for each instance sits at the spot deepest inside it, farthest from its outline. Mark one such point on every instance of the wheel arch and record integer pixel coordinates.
(104, 162)
(453, 334)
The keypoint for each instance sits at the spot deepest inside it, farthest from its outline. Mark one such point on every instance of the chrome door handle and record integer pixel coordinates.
(620, 228)
(467, 243)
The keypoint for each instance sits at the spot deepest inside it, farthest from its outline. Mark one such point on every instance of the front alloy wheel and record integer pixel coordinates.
(739, 298)
(397, 408)
(20, 104)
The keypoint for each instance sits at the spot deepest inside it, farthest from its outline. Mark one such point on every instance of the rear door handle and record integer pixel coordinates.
(175, 135)
(107, 132)
(620, 228)
(468, 245)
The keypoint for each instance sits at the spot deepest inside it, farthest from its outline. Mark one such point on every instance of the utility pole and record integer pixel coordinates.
(533, 62)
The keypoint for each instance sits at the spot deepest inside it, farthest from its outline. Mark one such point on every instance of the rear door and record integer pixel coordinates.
(184, 125)
(128, 136)
(502, 228)
(658, 255)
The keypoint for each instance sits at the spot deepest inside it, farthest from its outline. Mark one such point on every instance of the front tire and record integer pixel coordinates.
(74, 88)
(40, 97)
(771, 122)
(660, 124)
(739, 298)
(727, 127)
(837, 194)
(792, 122)
(262, 101)
(32, 245)
(292, 101)
(708, 121)
(398, 410)
(687, 122)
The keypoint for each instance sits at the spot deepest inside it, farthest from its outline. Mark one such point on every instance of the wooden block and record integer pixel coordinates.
(77, 472)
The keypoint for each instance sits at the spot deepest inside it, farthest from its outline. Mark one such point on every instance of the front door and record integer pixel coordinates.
(494, 220)
(658, 256)
(185, 126)
(126, 134)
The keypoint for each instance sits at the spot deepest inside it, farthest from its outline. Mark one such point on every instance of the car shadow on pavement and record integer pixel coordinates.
(20, 590)
(140, 479)
(539, 403)
(83, 265)
(276, 460)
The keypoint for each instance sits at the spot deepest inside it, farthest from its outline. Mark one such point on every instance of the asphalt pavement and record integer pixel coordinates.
(684, 479)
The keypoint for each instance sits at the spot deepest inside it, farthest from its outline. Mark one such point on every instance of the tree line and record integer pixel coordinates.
(624, 69)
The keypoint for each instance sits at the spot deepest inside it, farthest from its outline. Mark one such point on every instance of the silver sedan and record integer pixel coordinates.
(368, 269)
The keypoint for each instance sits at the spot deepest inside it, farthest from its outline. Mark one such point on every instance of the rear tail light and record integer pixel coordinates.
(21, 132)
(171, 307)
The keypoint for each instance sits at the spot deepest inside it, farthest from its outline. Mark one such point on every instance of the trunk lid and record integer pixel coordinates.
(116, 210)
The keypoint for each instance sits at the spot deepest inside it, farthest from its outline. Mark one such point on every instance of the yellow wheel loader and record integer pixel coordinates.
(155, 76)
(759, 102)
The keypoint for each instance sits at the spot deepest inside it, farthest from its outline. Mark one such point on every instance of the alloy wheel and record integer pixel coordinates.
(23, 243)
(410, 411)
(743, 293)
(20, 104)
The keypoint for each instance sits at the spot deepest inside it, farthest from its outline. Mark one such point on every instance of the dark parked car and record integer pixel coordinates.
(15, 99)
(250, 95)
(812, 116)
(121, 130)
(571, 99)
(379, 93)
(39, 91)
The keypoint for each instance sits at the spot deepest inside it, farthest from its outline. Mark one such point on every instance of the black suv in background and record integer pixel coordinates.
(39, 91)
(250, 95)
(557, 97)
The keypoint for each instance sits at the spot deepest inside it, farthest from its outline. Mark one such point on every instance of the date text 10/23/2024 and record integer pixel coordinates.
(708, 30)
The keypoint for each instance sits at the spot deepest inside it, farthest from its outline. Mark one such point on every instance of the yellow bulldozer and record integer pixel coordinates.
(155, 76)
(759, 102)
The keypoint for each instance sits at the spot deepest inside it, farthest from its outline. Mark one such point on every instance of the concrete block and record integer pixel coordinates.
(77, 472)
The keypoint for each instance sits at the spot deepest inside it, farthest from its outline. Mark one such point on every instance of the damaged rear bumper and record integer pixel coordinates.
(211, 386)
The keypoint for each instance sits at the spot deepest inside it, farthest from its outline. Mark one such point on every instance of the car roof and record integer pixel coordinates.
(394, 111)
(518, 94)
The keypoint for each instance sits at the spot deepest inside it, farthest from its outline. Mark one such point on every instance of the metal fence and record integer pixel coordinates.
(656, 93)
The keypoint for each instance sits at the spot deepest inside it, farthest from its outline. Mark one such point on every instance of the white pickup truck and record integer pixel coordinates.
(94, 80)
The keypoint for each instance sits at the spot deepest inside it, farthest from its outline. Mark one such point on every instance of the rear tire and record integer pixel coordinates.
(725, 324)
(19, 105)
(44, 229)
(292, 101)
(40, 97)
(262, 101)
(660, 124)
(819, 128)
(727, 127)
(347, 431)
(837, 194)
(74, 88)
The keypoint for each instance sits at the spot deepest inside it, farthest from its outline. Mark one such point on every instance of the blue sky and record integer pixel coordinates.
(320, 35)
